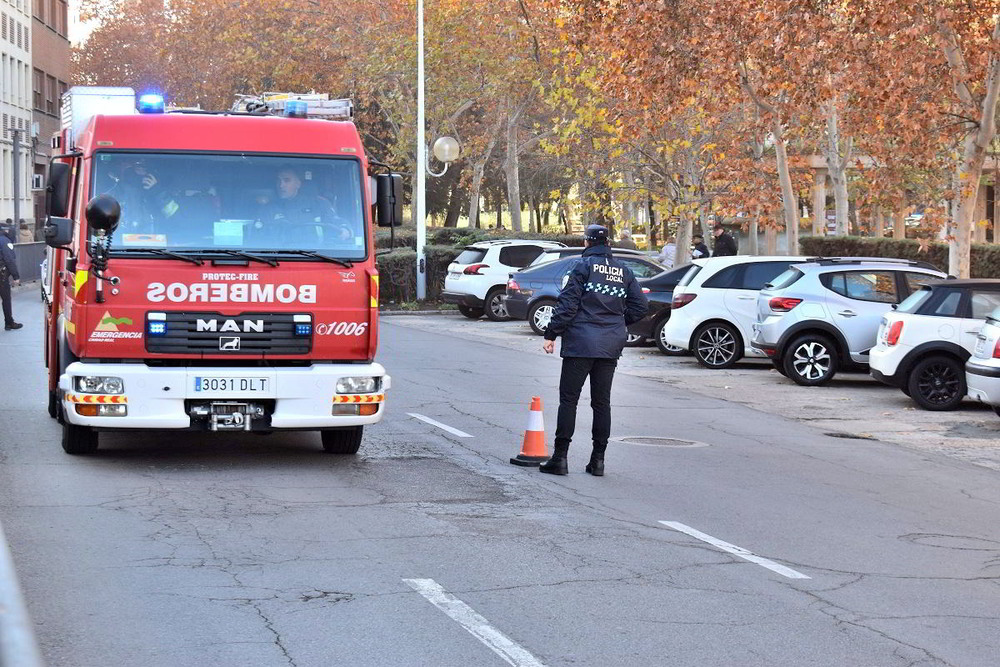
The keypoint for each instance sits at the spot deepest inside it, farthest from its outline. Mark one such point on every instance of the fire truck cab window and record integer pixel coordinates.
(239, 202)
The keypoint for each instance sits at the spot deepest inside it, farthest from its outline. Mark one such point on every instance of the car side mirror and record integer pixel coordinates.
(389, 200)
(57, 190)
(58, 232)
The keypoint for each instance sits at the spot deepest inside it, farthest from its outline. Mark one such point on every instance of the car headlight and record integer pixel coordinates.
(357, 385)
(99, 384)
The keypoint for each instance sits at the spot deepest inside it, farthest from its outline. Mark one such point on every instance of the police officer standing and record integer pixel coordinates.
(8, 267)
(600, 299)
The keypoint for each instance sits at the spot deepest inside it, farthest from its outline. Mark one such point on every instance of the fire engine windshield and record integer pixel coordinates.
(257, 203)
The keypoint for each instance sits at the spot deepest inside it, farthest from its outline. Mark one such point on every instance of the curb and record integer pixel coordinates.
(18, 647)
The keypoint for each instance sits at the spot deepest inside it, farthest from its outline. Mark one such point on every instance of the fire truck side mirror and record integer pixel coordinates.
(103, 212)
(58, 232)
(389, 200)
(57, 191)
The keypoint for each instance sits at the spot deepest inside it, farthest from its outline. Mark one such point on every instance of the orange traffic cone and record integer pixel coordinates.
(533, 451)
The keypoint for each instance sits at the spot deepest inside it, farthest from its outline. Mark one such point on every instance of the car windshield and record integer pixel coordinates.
(911, 303)
(217, 202)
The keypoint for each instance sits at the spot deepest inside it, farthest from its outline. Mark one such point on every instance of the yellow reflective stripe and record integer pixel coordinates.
(81, 280)
(359, 398)
(70, 327)
(374, 292)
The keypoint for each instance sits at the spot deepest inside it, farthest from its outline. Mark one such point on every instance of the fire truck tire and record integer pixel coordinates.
(53, 404)
(79, 440)
(343, 440)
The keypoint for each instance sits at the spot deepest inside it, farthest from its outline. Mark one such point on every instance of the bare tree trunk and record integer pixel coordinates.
(837, 160)
(499, 224)
(771, 241)
(788, 198)
(685, 229)
(512, 170)
(454, 205)
(879, 222)
(899, 223)
(478, 169)
(819, 203)
(753, 247)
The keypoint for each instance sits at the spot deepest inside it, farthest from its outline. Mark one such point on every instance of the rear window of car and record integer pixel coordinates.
(725, 278)
(758, 274)
(689, 276)
(519, 255)
(983, 303)
(640, 268)
(471, 256)
(786, 279)
(912, 303)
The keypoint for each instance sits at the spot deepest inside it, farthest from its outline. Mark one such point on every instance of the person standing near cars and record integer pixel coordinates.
(8, 271)
(600, 299)
(699, 250)
(626, 241)
(725, 244)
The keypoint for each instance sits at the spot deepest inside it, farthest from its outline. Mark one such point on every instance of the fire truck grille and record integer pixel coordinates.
(215, 334)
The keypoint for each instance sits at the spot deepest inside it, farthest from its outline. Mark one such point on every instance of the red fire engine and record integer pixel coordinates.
(213, 271)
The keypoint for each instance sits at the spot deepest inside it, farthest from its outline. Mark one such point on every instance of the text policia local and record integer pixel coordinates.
(230, 293)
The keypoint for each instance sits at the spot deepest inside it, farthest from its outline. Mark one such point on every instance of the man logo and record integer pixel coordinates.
(229, 343)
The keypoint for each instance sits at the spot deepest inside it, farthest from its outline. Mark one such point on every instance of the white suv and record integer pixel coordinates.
(982, 370)
(924, 343)
(715, 305)
(477, 279)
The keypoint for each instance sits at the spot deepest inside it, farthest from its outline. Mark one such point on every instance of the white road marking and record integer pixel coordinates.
(736, 551)
(444, 427)
(512, 652)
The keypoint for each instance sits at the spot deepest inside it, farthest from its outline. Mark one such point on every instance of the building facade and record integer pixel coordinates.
(15, 112)
(50, 61)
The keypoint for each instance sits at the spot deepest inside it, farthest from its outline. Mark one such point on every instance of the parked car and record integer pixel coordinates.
(982, 370)
(659, 290)
(532, 293)
(477, 279)
(822, 316)
(923, 344)
(553, 254)
(714, 307)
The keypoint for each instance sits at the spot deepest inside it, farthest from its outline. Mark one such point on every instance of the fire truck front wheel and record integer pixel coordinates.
(79, 440)
(343, 440)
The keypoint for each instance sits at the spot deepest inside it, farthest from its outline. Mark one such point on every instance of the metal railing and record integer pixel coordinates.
(18, 646)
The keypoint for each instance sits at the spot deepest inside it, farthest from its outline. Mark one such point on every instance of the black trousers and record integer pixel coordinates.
(8, 315)
(574, 371)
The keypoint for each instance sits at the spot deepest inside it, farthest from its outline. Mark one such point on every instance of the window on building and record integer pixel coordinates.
(39, 10)
(62, 18)
(62, 91)
(3, 31)
(50, 94)
(38, 84)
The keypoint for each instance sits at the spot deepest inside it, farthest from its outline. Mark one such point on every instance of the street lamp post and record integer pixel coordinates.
(446, 150)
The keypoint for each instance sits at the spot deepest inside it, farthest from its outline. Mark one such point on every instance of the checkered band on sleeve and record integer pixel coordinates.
(602, 288)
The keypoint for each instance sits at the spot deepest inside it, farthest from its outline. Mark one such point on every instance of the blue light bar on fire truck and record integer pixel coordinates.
(151, 103)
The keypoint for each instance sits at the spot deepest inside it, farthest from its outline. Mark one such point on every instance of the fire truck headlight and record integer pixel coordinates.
(357, 385)
(99, 384)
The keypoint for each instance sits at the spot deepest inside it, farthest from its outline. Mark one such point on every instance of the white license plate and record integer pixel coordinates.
(981, 347)
(230, 385)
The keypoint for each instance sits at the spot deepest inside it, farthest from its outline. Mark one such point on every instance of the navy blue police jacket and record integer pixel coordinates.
(600, 299)
(7, 259)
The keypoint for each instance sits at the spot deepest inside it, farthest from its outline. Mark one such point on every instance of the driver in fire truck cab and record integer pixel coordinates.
(300, 212)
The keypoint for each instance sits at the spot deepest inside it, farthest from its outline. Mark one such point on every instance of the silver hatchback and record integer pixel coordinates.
(822, 316)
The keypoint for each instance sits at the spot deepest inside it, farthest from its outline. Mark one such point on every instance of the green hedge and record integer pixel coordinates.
(406, 237)
(985, 259)
(398, 273)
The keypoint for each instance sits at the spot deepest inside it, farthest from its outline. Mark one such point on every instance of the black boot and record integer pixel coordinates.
(596, 466)
(557, 464)
(12, 325)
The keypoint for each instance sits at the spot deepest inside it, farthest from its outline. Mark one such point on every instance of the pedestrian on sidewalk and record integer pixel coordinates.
(698, 248)
(626, 242)
(8, 271)
(600, 299)
(725, 244)
(669, 253)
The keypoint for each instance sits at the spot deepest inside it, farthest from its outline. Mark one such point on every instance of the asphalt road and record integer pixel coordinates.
(429, 548)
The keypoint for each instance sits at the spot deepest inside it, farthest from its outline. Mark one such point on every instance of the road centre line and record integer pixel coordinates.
(444, 427)
(512, 652)
(736, 551)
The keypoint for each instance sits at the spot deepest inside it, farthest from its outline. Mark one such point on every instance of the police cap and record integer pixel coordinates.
(596, 234)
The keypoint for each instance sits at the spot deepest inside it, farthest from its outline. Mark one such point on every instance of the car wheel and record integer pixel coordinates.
(810, 360)
(937, 383)
(634, 340)
(717, 345)
(495, 308)
(996, 409)
(539, 316)
(342, 440)
(79, 440)
(53, 404)
(470, 312)
(661, 343)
